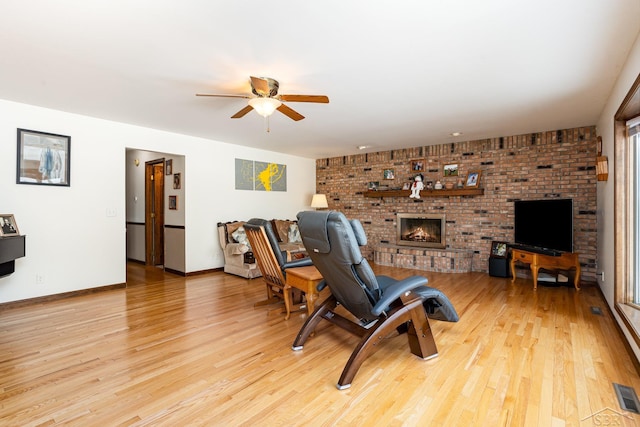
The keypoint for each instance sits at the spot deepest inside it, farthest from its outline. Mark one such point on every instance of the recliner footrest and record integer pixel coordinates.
(436, 304)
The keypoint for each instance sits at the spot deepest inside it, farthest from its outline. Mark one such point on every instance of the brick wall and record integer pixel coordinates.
(554, 164)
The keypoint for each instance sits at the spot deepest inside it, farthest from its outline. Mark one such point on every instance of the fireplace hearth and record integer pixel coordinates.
(426, 231)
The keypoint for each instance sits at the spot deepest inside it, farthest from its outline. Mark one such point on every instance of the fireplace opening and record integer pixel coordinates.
(427, 231)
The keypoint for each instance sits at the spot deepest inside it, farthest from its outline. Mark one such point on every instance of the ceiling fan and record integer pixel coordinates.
(267, 99)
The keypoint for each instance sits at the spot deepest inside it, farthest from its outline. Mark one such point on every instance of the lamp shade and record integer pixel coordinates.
(319, 201)
(264, 106)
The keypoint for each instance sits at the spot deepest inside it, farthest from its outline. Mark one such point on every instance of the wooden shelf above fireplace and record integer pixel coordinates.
(426, 193)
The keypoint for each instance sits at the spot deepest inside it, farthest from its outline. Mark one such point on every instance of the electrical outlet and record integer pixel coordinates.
(39, 279)
(602, 276)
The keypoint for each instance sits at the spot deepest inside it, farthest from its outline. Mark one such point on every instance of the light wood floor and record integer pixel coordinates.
(173, 351)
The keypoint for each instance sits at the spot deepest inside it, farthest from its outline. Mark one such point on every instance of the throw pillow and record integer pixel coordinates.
(282, 228)
(294, 234)
(240, 236)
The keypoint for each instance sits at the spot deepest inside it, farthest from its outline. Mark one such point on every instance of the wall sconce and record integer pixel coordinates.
(136, 162)
(319, 201)
(602, 168)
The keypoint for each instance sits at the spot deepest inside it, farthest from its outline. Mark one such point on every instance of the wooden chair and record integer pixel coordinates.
(272, 266)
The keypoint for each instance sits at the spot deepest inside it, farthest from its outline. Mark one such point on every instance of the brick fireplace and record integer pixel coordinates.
(425, 231)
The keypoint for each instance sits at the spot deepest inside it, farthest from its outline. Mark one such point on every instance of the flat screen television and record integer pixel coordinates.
(545, 224)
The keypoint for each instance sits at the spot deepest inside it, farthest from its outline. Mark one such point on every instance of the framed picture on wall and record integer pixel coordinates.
(450, 170)
(43, 158)
(417, 165)
(389, 174)
(168, 167)
(176, 181)
(173, 203)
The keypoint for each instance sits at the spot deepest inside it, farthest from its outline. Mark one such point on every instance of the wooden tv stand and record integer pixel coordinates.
(537, 261)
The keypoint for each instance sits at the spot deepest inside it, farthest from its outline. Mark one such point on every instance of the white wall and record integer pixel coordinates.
(72, 243)
(606, 232)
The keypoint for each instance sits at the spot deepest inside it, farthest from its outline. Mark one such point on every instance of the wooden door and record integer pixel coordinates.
(154, 212)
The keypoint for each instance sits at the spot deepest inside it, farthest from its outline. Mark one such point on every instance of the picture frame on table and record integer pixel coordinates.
(43, 158)
(499, 249)
(8, 226)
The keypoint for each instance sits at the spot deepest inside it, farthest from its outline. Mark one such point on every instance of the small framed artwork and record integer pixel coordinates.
(473, 179)
(406, 186)
(417, 165)
(173, 203)
(43, 158)
(389, 174)
(8, 226)
(373, 185)
(168, 167)
(176, 181)
(499, 249)
(451, 170)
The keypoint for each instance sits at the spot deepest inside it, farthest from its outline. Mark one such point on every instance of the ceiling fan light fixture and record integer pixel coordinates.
(264, 106)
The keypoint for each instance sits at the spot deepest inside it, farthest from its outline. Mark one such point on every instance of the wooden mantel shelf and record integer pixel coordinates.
(426, 193)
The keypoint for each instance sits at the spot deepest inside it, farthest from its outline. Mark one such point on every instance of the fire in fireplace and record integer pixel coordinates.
(427, 231)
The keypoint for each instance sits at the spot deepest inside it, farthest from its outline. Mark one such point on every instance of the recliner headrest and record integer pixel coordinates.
(317, 239)
(361, 237)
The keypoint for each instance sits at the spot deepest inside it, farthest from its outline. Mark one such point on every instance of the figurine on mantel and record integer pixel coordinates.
(417, 186)
(438, 185)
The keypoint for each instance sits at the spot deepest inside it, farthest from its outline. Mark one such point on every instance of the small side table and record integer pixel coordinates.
(306, 279)
(537, 261)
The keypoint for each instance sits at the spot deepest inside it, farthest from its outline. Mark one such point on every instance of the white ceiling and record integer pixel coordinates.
(398, 73)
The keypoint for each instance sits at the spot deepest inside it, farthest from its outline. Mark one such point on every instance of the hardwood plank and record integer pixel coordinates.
(172, 350)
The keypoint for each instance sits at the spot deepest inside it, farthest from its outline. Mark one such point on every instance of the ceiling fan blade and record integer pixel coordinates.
(289, 112)
(242, 112)
(223, 96)
(305, 98)
(261, 86)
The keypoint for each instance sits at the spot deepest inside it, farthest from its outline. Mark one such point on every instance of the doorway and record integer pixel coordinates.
(154, 212)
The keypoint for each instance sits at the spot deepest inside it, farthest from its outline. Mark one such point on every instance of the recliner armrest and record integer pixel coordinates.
(393, 291)
(302, 262)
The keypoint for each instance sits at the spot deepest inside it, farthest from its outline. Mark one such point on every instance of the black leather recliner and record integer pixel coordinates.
(380, 302)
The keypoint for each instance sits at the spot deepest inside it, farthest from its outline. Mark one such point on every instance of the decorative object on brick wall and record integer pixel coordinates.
(389, 174)
(373, 185)
(473, 179)
(417, 165)
(451, 170)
